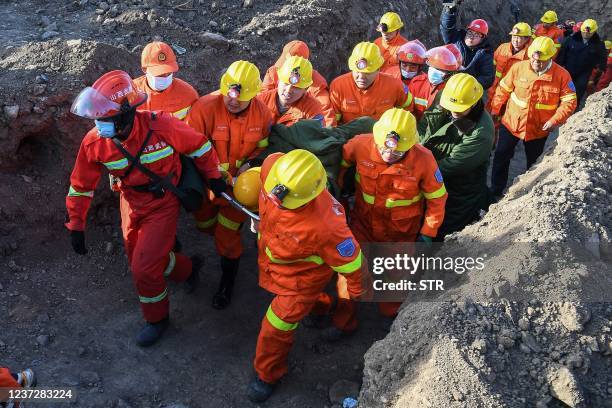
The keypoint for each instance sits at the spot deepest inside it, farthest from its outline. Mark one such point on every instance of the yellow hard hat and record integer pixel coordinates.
(396, 129)
(296, 71)
(545, 46)
(389, 22)
(247, 188)
(461, 92)
(608, 44)
(521, 30)
(295, 179)
(589, 25)
(241, 80)
(366, 57)
(549, 17)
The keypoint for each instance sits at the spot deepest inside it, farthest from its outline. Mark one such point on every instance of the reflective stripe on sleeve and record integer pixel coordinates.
(436, 194)
(408, 100)
(420, 101)
(201, 151)
(349, 267)
(569, 97)
(498, 74)
(117, 164)
(263, 143)
(207, 223)
(344, 163)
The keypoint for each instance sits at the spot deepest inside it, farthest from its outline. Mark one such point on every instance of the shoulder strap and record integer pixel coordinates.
(135, 162)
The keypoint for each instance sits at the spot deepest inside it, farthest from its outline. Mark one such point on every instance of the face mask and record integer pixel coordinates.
(105, 129)
(435, 76)
(408, 74)
(159, 83)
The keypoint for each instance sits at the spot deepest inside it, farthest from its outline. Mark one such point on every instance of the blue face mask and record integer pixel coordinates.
(436, 77)
(105, 129)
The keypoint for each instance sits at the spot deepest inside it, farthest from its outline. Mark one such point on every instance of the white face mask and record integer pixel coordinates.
(408, 74)
(159, 83)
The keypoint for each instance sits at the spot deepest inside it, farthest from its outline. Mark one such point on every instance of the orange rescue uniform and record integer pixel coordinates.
(504, 59)
(532, 100)
(236, 138)
(7, 381)
(299, 251)
(148, 223)
(389, 52)
(424, 94)
(554, 32)
(393, 203)
(606, 77)
(350, 102)
(176, 99)
(307, 107)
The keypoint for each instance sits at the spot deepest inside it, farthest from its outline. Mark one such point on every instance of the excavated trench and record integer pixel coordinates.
(77, 302)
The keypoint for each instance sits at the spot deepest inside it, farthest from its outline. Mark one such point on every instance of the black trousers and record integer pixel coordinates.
(503, 155)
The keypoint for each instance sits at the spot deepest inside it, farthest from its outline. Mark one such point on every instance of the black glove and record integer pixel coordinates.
(254, 162)
(77, 239)
(218, 186)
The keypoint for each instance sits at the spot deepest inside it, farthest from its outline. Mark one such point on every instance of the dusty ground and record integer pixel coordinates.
(73, 318)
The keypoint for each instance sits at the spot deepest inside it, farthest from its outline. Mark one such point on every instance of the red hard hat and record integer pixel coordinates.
(480, 26)
(456, 52)
(413, 52)
(112, 94)
(577, 26)
(442, 58)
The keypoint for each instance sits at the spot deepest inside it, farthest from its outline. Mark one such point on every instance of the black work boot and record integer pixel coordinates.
(193, 281)
(151, 332)
(259, 390)
(223, 297)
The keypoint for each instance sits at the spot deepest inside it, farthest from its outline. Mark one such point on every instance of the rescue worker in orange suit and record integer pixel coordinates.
(291, 102)
(411, 57)
(548, 28)
(8, 379)
(539, 95)
(508, 54)
(238, 125)
(303, 239)
(425, 87)
(164, 92)
(399, 197)
(365, 91)
(390, 40)
(318, 89)
(149, 212)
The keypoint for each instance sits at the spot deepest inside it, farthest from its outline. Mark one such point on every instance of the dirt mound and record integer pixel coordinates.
(548, 241)
(39, 81)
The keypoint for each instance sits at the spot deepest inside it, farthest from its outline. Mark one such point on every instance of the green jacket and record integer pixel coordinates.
(463, 158)
(325, 143)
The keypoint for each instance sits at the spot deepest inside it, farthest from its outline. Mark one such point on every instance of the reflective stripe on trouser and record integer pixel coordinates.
(276, 335)
(223, 221)
(149, 237)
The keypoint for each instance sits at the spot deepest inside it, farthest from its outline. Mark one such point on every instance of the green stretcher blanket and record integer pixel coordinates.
(325, 143)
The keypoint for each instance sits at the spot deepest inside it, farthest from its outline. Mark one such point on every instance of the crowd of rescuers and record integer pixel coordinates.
(420, 174)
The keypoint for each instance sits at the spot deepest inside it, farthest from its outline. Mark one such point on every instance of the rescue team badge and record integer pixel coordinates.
(161, 56)
(346, 248)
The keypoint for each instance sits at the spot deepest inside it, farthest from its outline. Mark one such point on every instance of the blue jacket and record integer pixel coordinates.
(478, 61)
